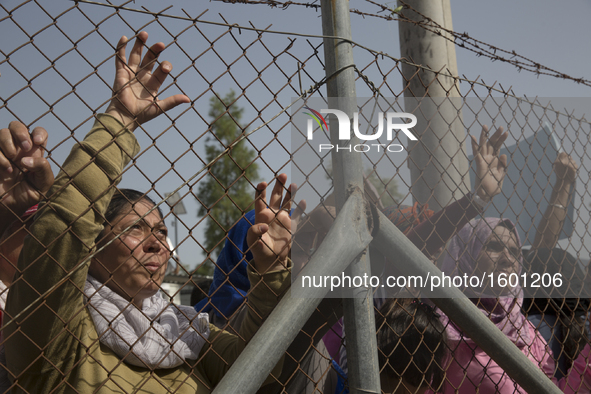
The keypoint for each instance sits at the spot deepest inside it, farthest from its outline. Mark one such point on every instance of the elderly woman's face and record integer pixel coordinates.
(500, 254)
(134, 264)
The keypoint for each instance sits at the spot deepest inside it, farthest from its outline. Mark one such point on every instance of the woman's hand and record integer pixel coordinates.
(25, 175)
(269, 239)
(490, 167)
(566, 169)
(135, 90)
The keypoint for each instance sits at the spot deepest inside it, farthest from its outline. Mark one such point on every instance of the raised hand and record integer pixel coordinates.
(552, 222)
(490, 167)
(135, 90)
(269, 238)
(25, 175)
(565, 168)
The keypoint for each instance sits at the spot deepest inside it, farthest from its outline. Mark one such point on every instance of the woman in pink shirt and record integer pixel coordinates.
(484, 247)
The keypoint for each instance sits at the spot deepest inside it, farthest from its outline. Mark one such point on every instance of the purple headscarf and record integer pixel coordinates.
(462, 253)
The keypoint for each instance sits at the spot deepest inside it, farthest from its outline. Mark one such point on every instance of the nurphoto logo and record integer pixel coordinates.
(345, 130)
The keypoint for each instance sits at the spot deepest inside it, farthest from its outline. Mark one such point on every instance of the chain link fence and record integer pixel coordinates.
(256, 96)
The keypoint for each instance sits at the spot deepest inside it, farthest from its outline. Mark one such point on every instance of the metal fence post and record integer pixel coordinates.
(437, 162)
(362, 356)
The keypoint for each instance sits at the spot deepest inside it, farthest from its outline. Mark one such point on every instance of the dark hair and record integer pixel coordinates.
(122, 199)
(411, 342)
(200, 290)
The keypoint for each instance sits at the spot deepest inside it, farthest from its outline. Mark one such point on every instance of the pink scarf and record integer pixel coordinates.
(504, 312)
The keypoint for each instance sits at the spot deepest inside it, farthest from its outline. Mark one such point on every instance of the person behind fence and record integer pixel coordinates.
(26, 177)
(86, 312)
(491, 246)
(305, 369)
(430, 231)
(560, 320)
(230, 285)
(412, 346)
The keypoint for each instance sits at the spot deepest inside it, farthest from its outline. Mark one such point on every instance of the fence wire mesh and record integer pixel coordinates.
(201, 162)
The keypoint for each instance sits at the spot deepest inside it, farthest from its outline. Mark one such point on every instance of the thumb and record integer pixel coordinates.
(172, 101)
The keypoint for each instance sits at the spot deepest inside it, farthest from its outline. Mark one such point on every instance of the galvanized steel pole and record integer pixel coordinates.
(437, 161)
(362, 356)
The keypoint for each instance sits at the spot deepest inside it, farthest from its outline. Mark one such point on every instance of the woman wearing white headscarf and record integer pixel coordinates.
(88, 320)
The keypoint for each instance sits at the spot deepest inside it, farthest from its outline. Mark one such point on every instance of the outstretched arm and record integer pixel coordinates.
(269, 240)
(431, 235)
(64, 232)
(270, 237)
(548, 231)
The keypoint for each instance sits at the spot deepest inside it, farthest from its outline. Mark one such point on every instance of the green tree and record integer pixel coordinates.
(226, 192)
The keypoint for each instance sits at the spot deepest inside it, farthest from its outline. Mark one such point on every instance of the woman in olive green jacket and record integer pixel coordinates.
(89, 317)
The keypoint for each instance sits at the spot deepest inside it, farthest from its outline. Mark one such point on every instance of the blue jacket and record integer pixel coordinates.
(230, 280)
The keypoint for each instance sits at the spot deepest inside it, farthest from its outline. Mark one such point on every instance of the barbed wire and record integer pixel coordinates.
(475, 45)
(478, 47)
(273, 3)
(444, 73)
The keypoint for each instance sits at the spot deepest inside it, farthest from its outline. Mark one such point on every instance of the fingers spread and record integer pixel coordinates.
(151, 56)
(156, 81)
(120, 59)
(497, 139)
(136, 86)
(260, 200)
(277, 193)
